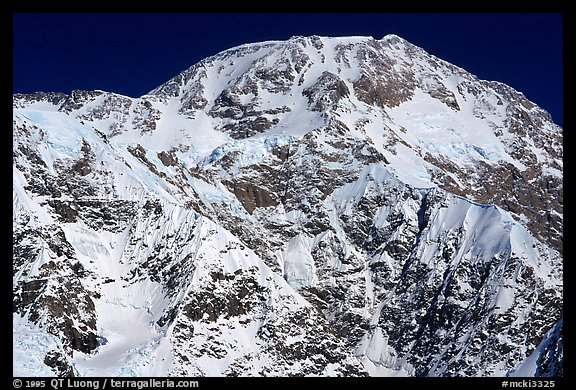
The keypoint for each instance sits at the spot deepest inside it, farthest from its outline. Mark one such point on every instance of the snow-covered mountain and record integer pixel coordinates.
(316, 206)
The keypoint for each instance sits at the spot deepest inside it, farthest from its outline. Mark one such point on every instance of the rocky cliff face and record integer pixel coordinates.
(319, 206)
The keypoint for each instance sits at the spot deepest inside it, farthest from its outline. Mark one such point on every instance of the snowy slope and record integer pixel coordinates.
(317, 206)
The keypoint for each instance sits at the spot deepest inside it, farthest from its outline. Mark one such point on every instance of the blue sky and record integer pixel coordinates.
(132, 54)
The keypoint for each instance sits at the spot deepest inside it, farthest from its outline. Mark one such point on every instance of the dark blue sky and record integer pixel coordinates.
(133, 53)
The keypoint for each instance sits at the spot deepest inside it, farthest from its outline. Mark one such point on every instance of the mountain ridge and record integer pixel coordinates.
(327, 165)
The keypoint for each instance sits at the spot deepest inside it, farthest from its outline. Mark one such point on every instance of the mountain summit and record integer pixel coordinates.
(316, 206)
